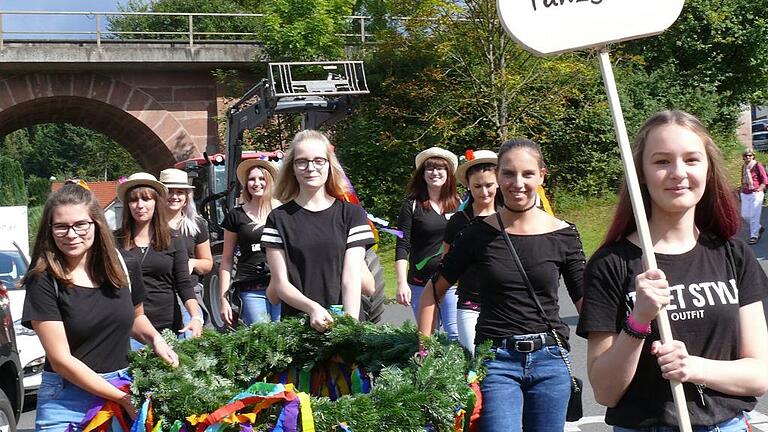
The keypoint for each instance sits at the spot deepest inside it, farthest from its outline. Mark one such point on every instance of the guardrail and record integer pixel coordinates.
(98, 35)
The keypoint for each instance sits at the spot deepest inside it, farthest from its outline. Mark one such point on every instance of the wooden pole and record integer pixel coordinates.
(649, 259)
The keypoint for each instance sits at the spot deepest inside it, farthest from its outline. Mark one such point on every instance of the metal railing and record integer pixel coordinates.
(96, 34)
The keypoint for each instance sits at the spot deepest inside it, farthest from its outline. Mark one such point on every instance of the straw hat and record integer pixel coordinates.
(437, 152)
(141, 179)
(246, 165)
(174, 178)
(480, 157)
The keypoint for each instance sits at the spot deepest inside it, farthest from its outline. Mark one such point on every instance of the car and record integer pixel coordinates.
(11, 373)
(760, 141)
(760, 125)
(13, 266)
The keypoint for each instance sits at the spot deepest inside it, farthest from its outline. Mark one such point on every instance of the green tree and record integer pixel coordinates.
(13, 192)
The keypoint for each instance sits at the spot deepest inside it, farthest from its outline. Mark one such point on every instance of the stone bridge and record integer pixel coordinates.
(159, 101)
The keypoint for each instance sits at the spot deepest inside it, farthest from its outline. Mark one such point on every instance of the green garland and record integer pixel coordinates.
(409, 391)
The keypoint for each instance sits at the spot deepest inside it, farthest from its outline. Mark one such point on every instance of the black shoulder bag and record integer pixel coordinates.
(575, 411)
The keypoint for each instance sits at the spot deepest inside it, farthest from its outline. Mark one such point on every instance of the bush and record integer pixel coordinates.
(38, 190)
(13, 192)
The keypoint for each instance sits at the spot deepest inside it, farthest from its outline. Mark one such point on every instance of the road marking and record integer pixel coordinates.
(574, 426)
(757, 420)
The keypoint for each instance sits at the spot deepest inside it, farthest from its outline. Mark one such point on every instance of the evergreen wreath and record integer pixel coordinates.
(410, 391)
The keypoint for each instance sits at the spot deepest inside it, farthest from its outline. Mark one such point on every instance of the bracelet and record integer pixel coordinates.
(635, 330)
(199, 318)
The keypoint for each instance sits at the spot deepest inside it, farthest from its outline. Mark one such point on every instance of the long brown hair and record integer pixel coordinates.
(417, 187)
(161, 233)
(716, 212)
(287, 186)
(103, 264)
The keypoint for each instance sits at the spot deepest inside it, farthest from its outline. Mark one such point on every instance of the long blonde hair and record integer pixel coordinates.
(266, 203)
(288, 186)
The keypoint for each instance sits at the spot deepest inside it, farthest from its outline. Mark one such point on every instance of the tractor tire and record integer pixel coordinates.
(211, 296)
(372, 308)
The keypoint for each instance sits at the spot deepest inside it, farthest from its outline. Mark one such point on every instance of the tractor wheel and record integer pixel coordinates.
(372, 308)
(211, 295)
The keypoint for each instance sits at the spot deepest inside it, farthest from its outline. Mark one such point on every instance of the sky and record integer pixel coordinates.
(53, 22)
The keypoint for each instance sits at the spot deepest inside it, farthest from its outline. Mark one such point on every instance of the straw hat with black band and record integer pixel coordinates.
(245, 167)
(174, 178)
(141, 179)
(480, 157)
(437, 152)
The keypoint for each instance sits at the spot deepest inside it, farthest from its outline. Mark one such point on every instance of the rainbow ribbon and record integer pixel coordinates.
(103, 414)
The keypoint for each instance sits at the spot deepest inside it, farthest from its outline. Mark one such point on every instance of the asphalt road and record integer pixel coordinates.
(593, 413)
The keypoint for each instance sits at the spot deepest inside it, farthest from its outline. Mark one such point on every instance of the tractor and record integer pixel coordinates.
(322, 93)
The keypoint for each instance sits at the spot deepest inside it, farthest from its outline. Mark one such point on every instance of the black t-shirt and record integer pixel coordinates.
(190, 242)
(508, 308)
(97, 321)
(315, 244)
(423, 232)
(166, 275)
(703, 313)
(468, 290)
(251, 259)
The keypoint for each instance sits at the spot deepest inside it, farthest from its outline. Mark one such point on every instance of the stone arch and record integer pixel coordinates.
(128, 115)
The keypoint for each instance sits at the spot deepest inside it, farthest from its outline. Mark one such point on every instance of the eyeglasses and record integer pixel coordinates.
(303, 164)
(747, 156)
(80, 228)
(436, 168)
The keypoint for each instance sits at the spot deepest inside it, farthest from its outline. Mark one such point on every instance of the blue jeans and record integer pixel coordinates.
(256, 307)
(61, 403)
(185, 316)
(736, 424)
(447, 309)
(525, 391)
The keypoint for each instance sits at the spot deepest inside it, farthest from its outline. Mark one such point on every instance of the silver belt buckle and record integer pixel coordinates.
(525, 346)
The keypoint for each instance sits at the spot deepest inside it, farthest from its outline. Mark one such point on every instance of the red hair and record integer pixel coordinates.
(716, 212)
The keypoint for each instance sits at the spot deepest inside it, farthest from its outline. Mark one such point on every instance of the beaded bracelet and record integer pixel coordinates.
(635, 329)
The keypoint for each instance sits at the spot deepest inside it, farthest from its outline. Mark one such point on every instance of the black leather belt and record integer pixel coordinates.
(522, 345)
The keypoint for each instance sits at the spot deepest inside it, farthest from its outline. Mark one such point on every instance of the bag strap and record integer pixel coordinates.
(528, 284)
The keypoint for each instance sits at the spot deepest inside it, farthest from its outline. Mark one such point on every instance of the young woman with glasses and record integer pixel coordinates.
(146, 236)
(431, 200)
(316, 241)
(84, 306)
(243, 229)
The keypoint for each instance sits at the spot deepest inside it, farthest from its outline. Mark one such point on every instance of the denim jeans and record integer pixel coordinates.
(525, 391)
(61, 403)
(466, 321)
(256, 307)
(736, 424)
(447, 309)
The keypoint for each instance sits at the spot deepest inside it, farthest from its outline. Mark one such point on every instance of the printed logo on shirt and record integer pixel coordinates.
(690, 302)
(255, 247)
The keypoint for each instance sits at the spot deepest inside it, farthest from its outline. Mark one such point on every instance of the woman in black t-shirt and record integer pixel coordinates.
(145, 235)
(315, 241)
(431, 200)
(83, 307)
(709, 282)
(191, 229)
(527, 385)
(243, 227)
(478, 175)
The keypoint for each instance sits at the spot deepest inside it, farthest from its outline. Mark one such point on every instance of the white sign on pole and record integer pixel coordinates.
(554, 26)
(13, 226)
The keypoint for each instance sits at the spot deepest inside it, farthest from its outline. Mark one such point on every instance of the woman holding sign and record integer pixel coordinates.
(710, 283)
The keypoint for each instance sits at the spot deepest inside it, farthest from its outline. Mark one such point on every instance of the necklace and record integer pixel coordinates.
(520, 211)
